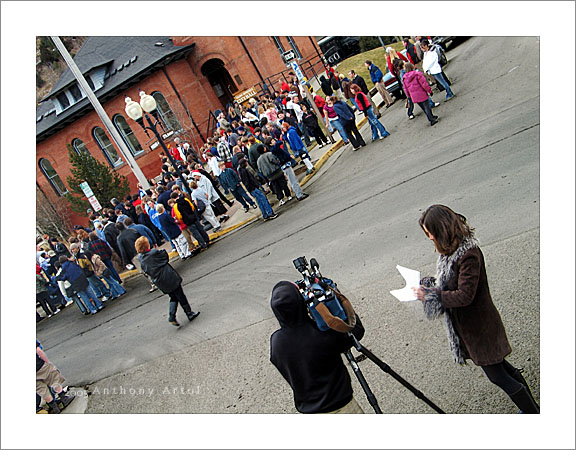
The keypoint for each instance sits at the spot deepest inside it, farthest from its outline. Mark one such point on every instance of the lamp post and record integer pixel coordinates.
(139, 112)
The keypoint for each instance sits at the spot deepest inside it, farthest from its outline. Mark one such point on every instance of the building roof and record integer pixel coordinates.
(127, 61)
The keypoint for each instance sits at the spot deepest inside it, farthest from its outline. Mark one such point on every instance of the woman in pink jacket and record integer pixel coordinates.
(417, 89)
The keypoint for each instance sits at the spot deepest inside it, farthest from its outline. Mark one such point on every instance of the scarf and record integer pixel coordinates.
(433, 307)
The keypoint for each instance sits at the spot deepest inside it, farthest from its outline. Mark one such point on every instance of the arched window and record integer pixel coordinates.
(106, 147)
(166, 113)
(127, 134)
(79, 146)
(52, 176)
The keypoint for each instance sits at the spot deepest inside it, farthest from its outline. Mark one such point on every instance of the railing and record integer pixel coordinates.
(312, 68)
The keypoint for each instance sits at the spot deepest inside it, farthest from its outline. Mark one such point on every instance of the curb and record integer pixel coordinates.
(329, 153)
(173, 254)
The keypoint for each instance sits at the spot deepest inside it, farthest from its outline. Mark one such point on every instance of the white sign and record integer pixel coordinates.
(167, 134)
(289, 56)
(95, 203)
(86, 189)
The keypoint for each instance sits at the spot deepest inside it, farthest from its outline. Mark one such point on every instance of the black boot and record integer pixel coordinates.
(65, 399)
(172, 314)
(523, 400)
(517, 375)
(54, 409)
(189, 313)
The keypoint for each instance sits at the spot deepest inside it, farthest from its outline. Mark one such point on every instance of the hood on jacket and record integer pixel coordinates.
(288, 305)
(409, 75)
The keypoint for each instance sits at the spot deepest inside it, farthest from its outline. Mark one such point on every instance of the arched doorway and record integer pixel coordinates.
(220, 80)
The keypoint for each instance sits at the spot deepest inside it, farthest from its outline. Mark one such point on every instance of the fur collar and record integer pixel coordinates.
(433, 307)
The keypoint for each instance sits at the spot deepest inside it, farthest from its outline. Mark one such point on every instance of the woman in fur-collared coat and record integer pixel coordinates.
(461, 295)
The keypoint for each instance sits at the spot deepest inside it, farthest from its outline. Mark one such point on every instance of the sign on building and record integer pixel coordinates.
(245, 95)
(289, 56)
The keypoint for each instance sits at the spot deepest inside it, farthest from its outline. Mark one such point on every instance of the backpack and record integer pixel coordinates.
(200, 206)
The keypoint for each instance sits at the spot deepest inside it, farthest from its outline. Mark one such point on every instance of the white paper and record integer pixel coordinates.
(412, 278)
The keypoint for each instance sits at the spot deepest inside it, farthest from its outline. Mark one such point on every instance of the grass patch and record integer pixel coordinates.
(356, 63)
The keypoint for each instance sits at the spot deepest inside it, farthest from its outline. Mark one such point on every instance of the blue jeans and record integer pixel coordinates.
(90, 300)
(115, 289)
(440, 79)
(411, 105)
(240, 194)
(99, 288)
(375, 125)
(338, 125)
(353, 100)
(263, 203)
(81, 306)
(110, 265)
(167, 238)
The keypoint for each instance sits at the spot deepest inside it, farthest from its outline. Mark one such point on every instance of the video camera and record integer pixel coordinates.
(328, 308)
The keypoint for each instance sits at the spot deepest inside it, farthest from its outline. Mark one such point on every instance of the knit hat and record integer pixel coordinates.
(74, 246)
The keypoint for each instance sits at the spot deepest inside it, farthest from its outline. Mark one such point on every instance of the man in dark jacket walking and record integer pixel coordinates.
(126, 239)
(155, 263)
(309, 359)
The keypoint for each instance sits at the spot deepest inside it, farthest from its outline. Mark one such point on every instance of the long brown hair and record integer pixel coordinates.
(448, 228)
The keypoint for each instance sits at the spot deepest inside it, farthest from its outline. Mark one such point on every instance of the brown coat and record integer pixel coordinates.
(467, 297)
(99, 266)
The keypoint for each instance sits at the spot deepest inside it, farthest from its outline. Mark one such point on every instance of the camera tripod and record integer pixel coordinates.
(386, 368)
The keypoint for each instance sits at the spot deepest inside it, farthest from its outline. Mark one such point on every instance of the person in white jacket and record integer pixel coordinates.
(431, 66)
(202, 189)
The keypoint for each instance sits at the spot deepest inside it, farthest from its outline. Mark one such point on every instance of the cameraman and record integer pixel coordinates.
(309, 359)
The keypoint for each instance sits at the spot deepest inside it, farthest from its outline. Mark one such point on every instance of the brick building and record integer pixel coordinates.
(189, 77)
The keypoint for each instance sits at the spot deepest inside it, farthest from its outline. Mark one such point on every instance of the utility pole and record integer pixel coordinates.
(382, 42)
(128, 157)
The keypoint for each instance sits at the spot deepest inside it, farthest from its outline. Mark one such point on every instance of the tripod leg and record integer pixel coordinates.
(386, 368)
(371, 398)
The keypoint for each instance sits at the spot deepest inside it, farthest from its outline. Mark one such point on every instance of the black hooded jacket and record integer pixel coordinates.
(309, 359)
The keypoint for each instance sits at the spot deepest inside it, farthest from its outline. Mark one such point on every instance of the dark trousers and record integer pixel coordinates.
(280, 187)
(319, 135)
(352, 132)
(199, 233)
(178, 297)
(425, 106)
(510, 380)
(223, 197)
(218, 207)
(240, 194)
(44, 300)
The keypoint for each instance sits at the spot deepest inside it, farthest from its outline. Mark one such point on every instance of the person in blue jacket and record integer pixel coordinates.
(377, 78)
(142, 229)
(231, 182)
(73, 273)
(297, 146)
(348, 121)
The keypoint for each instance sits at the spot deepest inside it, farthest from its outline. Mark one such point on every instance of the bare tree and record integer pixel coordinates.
(52, 216)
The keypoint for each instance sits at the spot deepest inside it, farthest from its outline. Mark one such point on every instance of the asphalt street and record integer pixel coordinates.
(360, 221)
